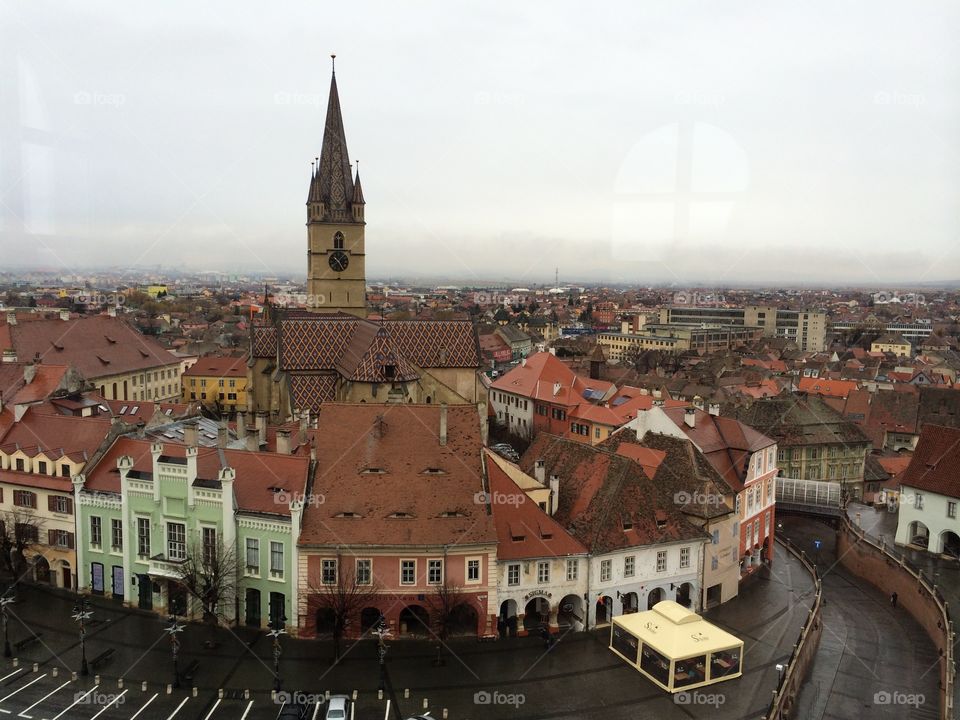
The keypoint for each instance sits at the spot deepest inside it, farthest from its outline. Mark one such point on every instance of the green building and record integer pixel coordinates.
(161, 526)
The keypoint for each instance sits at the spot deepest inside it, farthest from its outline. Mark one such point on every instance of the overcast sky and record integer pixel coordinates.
(690, 142)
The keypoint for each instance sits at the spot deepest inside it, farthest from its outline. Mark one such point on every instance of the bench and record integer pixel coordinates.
(190, 671)
(21, 644)
(103, 657)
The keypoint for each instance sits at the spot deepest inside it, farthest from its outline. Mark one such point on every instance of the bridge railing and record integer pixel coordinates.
(804, 650)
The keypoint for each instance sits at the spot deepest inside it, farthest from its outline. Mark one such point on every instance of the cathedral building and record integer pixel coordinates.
(331, 352)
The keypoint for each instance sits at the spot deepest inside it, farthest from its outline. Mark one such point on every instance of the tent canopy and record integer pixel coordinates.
(676, 631)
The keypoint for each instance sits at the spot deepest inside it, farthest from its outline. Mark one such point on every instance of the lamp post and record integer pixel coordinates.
(383, 633)
(172, 629)
(4, 601)
(81, 613)
(276, 630)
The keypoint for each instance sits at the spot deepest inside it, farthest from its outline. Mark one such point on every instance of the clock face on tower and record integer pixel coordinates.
(338, 261)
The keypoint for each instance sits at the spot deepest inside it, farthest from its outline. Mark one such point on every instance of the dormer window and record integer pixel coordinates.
(434, 471)
(389, 371)
(401, 515)
(347, 514)
(373, 471)
(451, 514)
(627, 521)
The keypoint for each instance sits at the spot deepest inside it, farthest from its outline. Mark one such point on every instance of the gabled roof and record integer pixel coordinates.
(523, 529)
(96, 346)
(601, 489)
(386, 479)
(56, 436)
(935, 462)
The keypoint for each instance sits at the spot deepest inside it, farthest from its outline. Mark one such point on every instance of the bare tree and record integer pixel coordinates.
(211, 574)
(445, 603)
(19, 530)
(342, 599)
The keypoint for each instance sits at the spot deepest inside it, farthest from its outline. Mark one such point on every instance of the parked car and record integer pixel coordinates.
(506, 451)
(338, 708)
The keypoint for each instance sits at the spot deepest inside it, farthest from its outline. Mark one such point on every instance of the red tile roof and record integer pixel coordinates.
(257, 473)
(385, 478)
(517, 516)
(829, 388)
(96, 346)
(935, 466)
(56, 435)
(213, 366)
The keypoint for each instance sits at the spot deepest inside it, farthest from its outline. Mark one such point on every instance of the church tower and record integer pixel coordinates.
(336, 272)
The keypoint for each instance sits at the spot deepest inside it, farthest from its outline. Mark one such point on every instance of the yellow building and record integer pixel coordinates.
(892, 343)
(217, 380)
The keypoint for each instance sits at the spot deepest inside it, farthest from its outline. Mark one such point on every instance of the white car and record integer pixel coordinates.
(338, 708)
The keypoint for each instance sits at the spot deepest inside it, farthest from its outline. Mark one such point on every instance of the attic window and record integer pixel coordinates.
(347, 514)
(451, 513)
(627, 521)
(389, 371)
(274, 489)
(105, 362)
(144, 353)
(546, 533)
(373, 471)
(661, 519)
(401, 515)
(123, 410)
(110, 340)
(56, 345)
(434, 471)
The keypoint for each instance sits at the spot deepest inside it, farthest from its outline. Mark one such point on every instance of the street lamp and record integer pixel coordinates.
(383, 634)
(276, 630)
(81, 613)
(4, 601)
(172, 629)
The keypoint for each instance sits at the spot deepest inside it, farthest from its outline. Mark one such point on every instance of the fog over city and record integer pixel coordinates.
(664, 142)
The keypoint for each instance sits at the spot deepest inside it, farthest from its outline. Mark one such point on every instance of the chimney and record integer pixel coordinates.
(64, 315)
(690, 417)
(11, 317)
(283, 442)
(251, 441)
(714, 409)
(642, 423)
(190, 435)
(556, 388)
(262, 427)
(553, 351)
(242, 425)
(554, 493)
(304, 425)
(523, 362)
(141, 429)
(443, 424)
(223, 434)
(540, 471)
(191, 473)
(29, 373)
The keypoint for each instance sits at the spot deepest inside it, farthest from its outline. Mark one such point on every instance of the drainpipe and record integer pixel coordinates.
(587, 603)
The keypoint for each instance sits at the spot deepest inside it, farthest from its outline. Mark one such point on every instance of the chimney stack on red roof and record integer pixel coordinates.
(443, 424)
(283, 442)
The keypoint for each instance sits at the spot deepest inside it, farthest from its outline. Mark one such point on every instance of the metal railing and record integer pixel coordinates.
(792, 675)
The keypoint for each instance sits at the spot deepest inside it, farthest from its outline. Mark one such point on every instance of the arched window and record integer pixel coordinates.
(338, 241)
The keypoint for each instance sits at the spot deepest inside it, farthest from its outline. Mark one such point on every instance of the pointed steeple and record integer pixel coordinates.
(357, 190)
(334, 179)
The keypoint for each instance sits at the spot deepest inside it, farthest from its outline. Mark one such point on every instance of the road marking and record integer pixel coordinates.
(76, 702)
(178, 708)
(247, 711)
(134, 716)
(315, 711)
(213, 709)
(107, 706)
(12, 674)
(36, 679)
(30, 717)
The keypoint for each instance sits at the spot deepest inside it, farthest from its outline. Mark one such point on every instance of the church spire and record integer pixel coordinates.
(334, 184)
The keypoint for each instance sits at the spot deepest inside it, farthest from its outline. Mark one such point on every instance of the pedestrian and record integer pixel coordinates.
(893, 599)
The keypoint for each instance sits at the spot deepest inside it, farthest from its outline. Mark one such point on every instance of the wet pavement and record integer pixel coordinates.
(874, 661)
(514, 678)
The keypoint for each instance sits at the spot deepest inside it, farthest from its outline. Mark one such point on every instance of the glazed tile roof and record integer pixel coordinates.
(386, 479)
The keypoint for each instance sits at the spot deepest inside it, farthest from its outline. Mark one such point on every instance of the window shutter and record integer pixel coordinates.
(51, 537)
(51, 503)
(70, 541)
(69, 506)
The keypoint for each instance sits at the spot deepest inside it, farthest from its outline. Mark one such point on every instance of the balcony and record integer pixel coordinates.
(159, 566)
